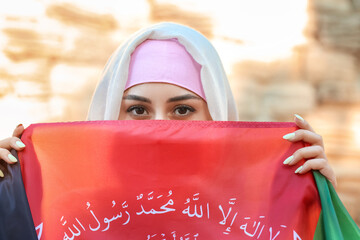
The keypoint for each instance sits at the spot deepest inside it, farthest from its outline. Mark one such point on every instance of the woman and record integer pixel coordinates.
(171, 72)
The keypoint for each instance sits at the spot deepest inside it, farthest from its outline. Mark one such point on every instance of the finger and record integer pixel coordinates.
(7, 156)
(18, 130)
(315, 151)
(12, 142)
(304, 135)
(16, 144)
(301, 123)
(320, 164)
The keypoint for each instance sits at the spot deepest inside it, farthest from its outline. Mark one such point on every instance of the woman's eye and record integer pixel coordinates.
(137, 110)
(183, 110)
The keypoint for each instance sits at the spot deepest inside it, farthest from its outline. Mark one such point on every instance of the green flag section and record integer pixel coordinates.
(334, 223)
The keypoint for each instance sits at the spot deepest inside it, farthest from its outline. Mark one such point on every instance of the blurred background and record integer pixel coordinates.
(282, 57)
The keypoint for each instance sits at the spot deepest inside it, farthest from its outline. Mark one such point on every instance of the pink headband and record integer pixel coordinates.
(164, 61)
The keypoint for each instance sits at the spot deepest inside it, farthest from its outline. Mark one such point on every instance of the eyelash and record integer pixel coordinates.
(191, 109)
(178, 107)
(130, 109)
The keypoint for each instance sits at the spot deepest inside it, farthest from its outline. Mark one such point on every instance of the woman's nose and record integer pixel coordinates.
(161, 116)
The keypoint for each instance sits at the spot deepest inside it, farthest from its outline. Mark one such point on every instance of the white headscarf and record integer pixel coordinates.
(107, 98)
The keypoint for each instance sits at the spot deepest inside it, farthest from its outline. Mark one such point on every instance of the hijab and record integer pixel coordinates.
(106, 101)
(164, 61)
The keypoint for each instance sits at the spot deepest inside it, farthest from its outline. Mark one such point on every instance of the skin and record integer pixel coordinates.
(11, 143)
(314, 154)
(162, 101)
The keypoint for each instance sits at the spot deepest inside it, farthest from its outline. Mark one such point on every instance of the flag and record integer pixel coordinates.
(174, 180)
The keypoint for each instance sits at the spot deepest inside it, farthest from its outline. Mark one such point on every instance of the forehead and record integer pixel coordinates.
(157, 90)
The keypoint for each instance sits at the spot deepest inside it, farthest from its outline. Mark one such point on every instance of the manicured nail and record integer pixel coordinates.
(298, 169)
(20, 144)
(19, 125)
(299, 117)
(1, 174)
(288, 160)
(12, 158)
(289, 136)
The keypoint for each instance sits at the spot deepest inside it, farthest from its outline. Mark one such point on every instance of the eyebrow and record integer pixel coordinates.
(137, 98)
(182, 97)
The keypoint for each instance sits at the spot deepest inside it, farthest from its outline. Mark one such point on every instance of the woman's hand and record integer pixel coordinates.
(11, 143)
(314, 154)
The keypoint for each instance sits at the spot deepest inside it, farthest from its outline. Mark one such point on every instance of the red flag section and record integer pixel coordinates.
(163, 180)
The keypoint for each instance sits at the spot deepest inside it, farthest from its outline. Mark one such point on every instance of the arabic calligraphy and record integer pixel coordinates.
(121, 213)
(173, 236)
(79, 227)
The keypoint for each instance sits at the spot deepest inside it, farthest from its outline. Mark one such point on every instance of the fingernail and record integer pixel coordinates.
(19, 125)
(288, 160)
(298, 169)
(20, 144)
(1, 174)
(299, 117)
(289, 136)
(12, 158)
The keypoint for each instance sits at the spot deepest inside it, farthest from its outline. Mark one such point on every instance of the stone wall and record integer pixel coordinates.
(56, 59)
(332, 65)
(335, 24)
(321, 82)
(50, 64)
